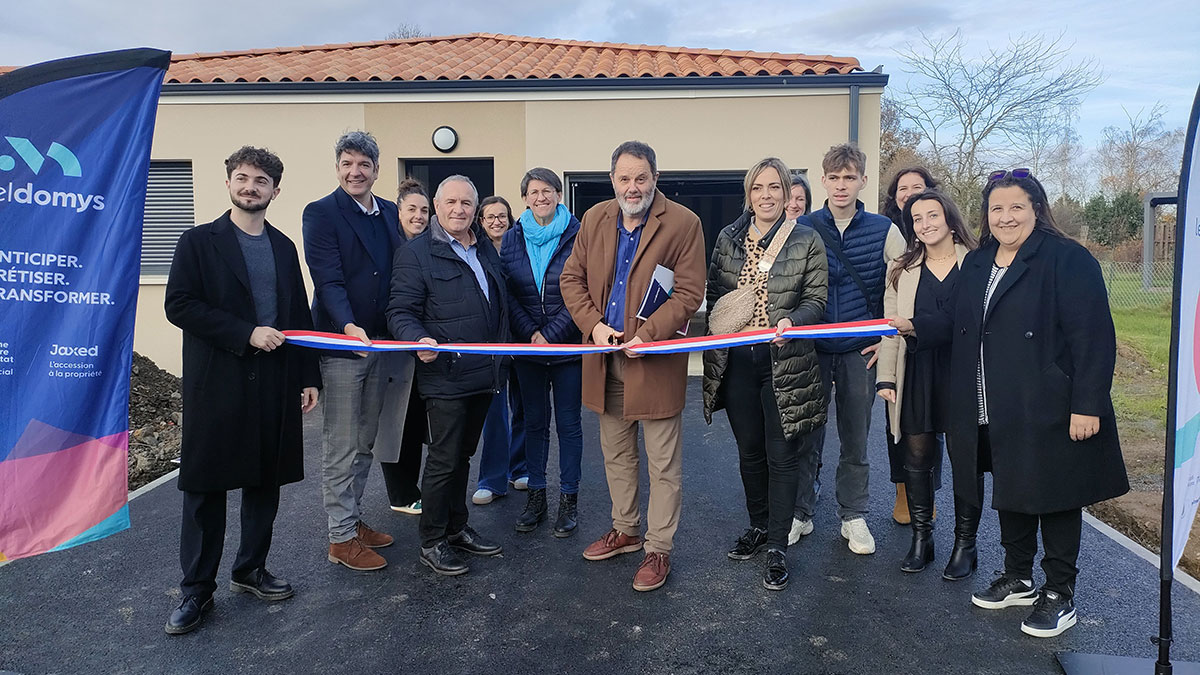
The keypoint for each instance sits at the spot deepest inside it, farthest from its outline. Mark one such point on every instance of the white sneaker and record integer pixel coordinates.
(856, 532)
(800, 528)
(521, 483)
(482, 496)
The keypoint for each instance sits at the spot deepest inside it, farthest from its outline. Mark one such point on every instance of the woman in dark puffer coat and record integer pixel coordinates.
(771, 392)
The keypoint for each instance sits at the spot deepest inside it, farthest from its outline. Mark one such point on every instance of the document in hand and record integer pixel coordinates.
(662, 283)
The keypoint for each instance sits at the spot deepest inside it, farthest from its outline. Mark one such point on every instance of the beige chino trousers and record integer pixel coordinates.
(664, 459)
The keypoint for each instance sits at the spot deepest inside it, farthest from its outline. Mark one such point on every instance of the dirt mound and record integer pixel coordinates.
(155, 421)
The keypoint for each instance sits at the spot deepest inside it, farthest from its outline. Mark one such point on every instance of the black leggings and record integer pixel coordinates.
(920, 451)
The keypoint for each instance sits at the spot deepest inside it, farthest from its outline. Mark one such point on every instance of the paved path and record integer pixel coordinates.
(540, 607)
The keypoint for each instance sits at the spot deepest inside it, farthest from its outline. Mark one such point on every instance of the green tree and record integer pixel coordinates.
(1126, 215)
(1097, 215)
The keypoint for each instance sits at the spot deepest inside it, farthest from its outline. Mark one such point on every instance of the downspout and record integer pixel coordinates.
(854, 113)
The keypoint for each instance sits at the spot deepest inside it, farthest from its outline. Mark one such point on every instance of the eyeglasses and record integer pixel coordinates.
(1004, 173)
(498, 218)
(545, 193)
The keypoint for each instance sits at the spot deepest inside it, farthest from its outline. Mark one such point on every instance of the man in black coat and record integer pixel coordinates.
(447, 287)
(235, 283)
(350, 237)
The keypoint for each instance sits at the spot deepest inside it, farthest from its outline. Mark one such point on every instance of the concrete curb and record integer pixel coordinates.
(1140, 551)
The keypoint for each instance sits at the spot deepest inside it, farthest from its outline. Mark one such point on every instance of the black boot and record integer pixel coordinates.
(963, 559)
(535, 511)
(919, 489)
(568, 514)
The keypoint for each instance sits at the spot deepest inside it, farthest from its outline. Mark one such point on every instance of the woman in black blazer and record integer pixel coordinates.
(1032, 358)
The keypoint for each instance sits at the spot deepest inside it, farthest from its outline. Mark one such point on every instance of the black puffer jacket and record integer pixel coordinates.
(796, 289)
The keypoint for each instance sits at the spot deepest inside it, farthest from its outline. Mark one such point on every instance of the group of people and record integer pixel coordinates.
(1004, 356)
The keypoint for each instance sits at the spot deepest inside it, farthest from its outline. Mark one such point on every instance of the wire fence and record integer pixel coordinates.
(1132, 285)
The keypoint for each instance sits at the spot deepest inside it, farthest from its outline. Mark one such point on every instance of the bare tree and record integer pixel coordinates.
(1141, 157)
(406, 31)
(976, 112)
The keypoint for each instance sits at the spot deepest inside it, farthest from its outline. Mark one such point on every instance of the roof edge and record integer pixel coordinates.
(860, 79)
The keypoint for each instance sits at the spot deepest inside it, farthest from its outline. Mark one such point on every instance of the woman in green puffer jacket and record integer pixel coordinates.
(771, 392)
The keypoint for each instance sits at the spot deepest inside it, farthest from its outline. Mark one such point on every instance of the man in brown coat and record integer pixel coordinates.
(622, 245)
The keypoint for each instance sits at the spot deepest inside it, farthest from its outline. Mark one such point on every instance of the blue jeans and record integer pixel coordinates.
(565, 380)
(503, 455)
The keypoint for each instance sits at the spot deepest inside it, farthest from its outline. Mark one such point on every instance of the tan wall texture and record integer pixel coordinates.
(688, 134)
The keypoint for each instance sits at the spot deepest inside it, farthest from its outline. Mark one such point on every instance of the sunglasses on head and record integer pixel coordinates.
(1004, 173)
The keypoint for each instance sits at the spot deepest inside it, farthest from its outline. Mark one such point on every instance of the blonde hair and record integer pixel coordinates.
(785, 177)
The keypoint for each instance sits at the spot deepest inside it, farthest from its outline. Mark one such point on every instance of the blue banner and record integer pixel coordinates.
(75, 140)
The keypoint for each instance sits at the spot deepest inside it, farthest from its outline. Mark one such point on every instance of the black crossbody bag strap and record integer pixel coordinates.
(836, 246)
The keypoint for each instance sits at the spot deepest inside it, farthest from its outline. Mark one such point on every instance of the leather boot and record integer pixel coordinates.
(568, 513)
(919, 490)
(900, 510)
(535, 510)
(963, 559)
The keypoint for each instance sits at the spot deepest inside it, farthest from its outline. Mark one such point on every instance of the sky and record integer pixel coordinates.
(1149, 52)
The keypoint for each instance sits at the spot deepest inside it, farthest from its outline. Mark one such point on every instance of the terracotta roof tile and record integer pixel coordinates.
(482, 56)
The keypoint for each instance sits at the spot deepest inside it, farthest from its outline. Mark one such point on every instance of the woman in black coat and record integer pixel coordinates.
(1032, 363)
(771, 393)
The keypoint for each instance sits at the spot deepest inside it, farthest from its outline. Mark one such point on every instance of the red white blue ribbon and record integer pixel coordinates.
(334, 341)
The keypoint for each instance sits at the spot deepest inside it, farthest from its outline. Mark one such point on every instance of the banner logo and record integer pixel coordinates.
(28, 153)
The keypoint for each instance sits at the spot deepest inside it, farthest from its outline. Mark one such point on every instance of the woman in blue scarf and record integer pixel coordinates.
(533, 254)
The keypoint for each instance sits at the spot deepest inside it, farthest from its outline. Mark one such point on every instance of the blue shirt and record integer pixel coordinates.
(470, 255)
(627, 246)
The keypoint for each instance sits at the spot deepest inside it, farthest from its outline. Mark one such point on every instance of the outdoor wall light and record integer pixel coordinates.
(445, 139)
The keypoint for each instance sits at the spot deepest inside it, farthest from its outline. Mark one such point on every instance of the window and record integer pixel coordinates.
(170, 210)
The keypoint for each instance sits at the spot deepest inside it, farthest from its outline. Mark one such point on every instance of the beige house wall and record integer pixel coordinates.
(701, 131)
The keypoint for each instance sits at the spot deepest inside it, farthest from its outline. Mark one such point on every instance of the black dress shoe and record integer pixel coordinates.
(263, 585)
(188, 615)
(470, 541)
(443, 560)
(749, 544)
(775, 577)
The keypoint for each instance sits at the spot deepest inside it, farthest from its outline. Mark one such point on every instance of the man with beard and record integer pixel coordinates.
(235, 283)
(350, 236)
(624, 244)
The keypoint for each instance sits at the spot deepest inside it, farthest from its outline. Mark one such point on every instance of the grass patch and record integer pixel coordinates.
(1140, 381)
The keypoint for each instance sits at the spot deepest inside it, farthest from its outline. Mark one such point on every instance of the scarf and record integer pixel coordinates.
(541, 241)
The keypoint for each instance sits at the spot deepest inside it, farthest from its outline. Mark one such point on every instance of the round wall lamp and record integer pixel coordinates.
(445, 139)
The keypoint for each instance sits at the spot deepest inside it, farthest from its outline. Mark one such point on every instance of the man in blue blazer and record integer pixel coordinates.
(350, 237)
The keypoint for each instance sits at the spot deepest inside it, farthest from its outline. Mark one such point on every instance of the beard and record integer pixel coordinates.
(247, 205)
(639, 208)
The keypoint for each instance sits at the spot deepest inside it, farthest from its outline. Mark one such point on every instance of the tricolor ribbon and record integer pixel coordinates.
(334, 341)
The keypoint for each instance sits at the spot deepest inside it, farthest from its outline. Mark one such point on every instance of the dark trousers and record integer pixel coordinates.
(401, 477)
(769, 462)
(1060, 539)
(202, 536)
(565, 382)
(454, 429)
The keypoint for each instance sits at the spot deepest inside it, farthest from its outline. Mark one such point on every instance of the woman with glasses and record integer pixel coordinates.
(771, 393)
(1031, 367)
(502, 460)
(906, 183)
(533, 256)
(913, 381)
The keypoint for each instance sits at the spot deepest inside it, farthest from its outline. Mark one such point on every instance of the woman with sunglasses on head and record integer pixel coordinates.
(913, 381)
(1032, 357)
(502, 459)
(533, 256)
(906, 183)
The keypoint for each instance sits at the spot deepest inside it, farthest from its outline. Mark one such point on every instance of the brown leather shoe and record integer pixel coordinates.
(370, 538)
(612, 544)
(653, 572)
(354, 555)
